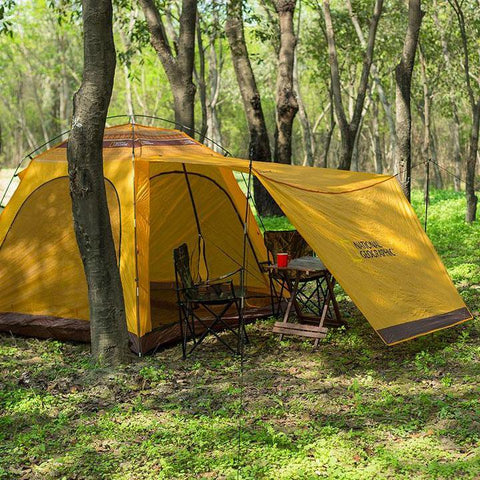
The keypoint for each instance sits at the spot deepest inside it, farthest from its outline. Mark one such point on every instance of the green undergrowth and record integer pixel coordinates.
(352, 409)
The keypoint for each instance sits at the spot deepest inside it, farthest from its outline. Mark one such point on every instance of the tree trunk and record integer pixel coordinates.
(428, 148)
(179, 68)
(328, 140)
(286, 100)
(307, 136)
(457, 157)
(200, 79)
(308, 145)
(349, 129)
(376, 145)
(403, 79)
(87, 187)
(259, 147)
(472, 199)
(183, 104)
(436, 168)
(471, 212)
(128, 91)
(215, 64)
(126, 43)
(377, 81)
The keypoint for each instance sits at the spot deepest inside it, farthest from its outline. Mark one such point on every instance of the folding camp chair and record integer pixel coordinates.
(213, 298)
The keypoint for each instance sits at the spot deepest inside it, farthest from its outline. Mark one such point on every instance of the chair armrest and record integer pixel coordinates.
(222, 277)
(216, 288)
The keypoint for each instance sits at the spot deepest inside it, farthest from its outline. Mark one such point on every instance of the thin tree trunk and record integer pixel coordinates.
(403, 79)
(286, 100)
(215, 64)
(87, 187)
(259, 147)
(128, 91)
(349, 129)
(457, 157)
(200, 78)
(376, 144)
(429, 151)
(179, 68)
(36, 89)
(436, 168)
(307, 136)
(472, 199)
(355, 164)
(471, 213)
(387, 108)
(329, 135)
(63, 91)
(125, 39)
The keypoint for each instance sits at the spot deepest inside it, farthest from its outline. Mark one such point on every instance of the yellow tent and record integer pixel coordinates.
(359, 224)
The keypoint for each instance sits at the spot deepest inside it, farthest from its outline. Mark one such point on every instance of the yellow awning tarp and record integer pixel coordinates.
(368, 235)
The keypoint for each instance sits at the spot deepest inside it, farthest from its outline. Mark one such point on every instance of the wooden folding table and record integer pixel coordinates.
(312, 323)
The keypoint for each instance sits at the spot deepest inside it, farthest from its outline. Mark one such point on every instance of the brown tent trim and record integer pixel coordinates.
(44, 326)
(405, 331)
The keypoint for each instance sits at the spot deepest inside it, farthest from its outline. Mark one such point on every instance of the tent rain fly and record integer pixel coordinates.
(359, 224)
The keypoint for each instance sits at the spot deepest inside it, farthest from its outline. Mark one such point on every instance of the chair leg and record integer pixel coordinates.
(183, 329)
(184, 339)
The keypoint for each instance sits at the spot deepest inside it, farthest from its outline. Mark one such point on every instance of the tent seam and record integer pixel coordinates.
(320, 191)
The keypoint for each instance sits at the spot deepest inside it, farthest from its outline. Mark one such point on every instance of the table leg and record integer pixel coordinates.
(330, 285)
(293, 293)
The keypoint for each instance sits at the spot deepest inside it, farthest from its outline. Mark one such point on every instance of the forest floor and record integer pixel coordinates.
(352, 409)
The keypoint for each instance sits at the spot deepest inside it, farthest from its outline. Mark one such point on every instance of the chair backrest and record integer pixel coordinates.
(286, 241)
(183, 274)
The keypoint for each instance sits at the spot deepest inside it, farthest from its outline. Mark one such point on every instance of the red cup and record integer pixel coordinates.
(282, 260)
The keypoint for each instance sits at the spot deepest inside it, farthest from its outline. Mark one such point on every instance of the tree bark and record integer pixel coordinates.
(259, 147)
(215, 65)
(87, 186)
(328, 140)
(178, 68)
(307, 135)
(126, 43)
(377, 81)
(309, 156)
(428, 148)
(286, 100)
(457, 157)
(349, 129)
(375, 136)
(472, 200)
(403, 80)
(200, 79)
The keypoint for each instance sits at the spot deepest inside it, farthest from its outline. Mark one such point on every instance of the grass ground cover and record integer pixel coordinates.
(352, 409)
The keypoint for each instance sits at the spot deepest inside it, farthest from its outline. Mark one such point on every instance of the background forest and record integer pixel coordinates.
(41, 64)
